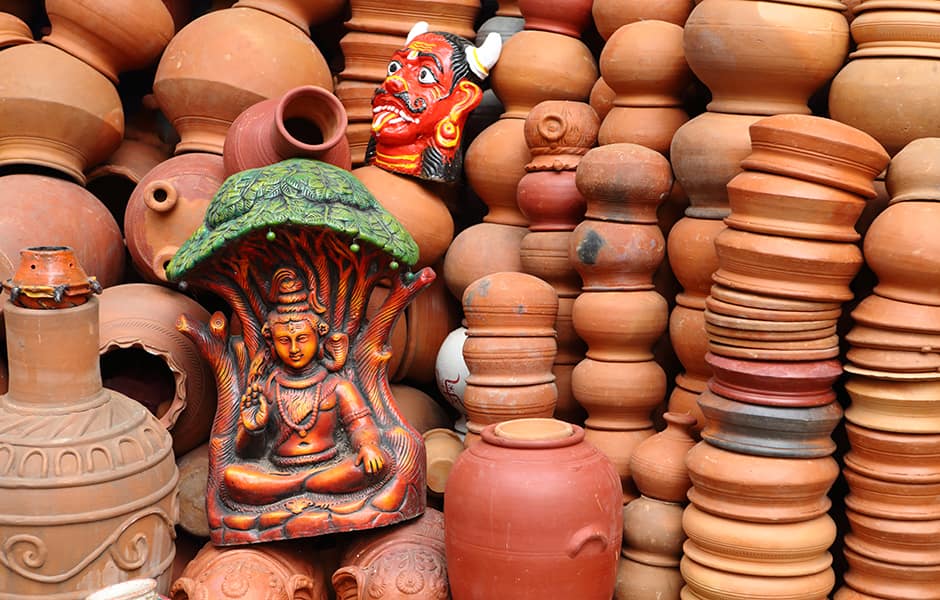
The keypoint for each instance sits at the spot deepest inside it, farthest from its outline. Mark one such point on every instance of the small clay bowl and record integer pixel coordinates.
(784, 384)
(898, 541)
(914, 172)
(775, 345)
(856, 369)
(876, 579)
(866, 336)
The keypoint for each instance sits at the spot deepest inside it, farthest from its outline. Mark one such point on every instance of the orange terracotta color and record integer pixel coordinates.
(612, 256)
(486, 405)
(899, 406)
(619, 396)
(652, 531)
(545, 255)
(692, 255)
(427, 322)
(602, 98)
(443, 446)
(658, 463)
(639, 581)
(567, 17)
(624, 183)
(880, 579)
(480, 250)
(559, 133)
(889, 456)
(194, 473)
(56, 111)
(50, 277)
(300, 13)
(659, 79)
(913, 172)
(420, 410)
(510, 304)
(550, 200)
(366, 58)
(13, 31)
(509, 361)
(494, 165)
(609, 15)
(708, 583)
(684, 399)
(620, 326)
(374, 16)
(900, 248)
(896, 541)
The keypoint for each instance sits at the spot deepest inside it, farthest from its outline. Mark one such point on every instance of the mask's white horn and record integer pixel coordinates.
(483, 58)
(419, 28)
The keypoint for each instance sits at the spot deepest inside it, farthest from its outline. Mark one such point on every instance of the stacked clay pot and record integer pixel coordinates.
(558, 133)
(652, 524)
(896, 56)
(374, 33)
(509, 350)
(785, 263)
(545, 61)
(724, 43)
(533, 511)
(616, 250)
(893, 421)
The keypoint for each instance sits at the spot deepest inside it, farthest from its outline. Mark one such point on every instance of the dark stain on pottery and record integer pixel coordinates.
(590, 247)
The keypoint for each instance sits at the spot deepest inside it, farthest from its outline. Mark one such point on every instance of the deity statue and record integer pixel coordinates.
(419, 111)
(307, 439)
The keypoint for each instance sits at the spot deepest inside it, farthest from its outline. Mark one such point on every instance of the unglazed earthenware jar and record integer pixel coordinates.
(913, 173)
(609, 15)
(499, 495)
(901, 248)
(652, 532)
(658, 463)
(301, 13)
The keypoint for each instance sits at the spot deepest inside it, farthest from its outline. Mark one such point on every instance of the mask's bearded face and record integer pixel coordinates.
(416, 94)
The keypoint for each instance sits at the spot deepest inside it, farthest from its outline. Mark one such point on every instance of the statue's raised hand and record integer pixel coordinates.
(254, 408)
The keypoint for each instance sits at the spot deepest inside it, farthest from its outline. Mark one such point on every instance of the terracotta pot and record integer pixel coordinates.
(692, 254)
(652, 127)
(624, 183)
(366, 59)
(538, 65)
(50, 277)
(705, 170)
(510, 304)
(481, 250)
(68, 117)
(443, 446)
(759, 489)
(450, 370)
(900, 249)
(658, 463)
(487, 405)
(864, 95)
(494, 165)
(201, 96)
(891, 500)
(789, 432)
(300, 13)
(90, 478)
(725, 42)
(769, 549)
(610, 15)
(913, 172)
(820, 309)
(69, 216)
(652, 531)
(507, 478)
(145, 357)
(882, 579)
(638, 581)
(166, 208)
(550, 200)
(788, 384)
(280, 569)
(895, 457)
(307, 121)
(613, 256)
(717, 306)
(788, 267)
(689, 341)
(896, 29)
(684, 400)
(791, 145)
(417, 205)
(764, 203)
(545, 255)
(568, 17)
(420, 410)
(509, 361)
(902, 407)
(429, 319)
(112, 37)
(658, 81)
(559, 133)
(863, 336)
(900, 542)
(114, 180)
(619, 396)
(374, 16)
(194, 476)
(602, 98)
(746, 327)
(705, 583)
(13, 31)
(620, 326)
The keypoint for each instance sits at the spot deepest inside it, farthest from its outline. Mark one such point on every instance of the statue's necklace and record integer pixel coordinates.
(314, 381)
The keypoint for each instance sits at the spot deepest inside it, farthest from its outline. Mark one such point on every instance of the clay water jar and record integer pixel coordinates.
(545, 255)
(507, 478)
(652, 531)
(568, 17)
(510, 304)
(895, 457)
(618, 395)
(488, 404)
(620, 326)
(891, 500)
(689, 342)
(624, 183)
(481, 250)
(690, 249)
(913, 173)
(112, 37)
(783, 384)
(901, 542)
(881, 579)
(759, 489)
(901, 248)
(657, 465)
(898, 406)
(610, 15)
(707, 583)
(495, 164)
(300, 13)
(613, 256)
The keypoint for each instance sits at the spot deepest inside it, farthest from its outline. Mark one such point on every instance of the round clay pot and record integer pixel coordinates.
(620, 326)
(610, 15)
(639, 581)
(550, 200)
(828, 348)
(881, 579)
(50, 277)
(786, 384)
(559, 133)
(300, 13)
(307, 121)
(509, 361)
(146, 358)
(114, 180)
(896, 29)
(865, 92)
(450, 370)
(499, 495)
(612, 256)
(792, 146)
(374, 16)
(652, 531)
(14, 31)
(704, 170)
(211, 71)
(770, 549)
(772, 340)
(895, 541)
(619, 396)
(46, 211)
(891, 500)
(726, 41)
(417, 206)
(689, 341)
(759, 489)
(112, 37)
(778, 205)
(443, 447)
(901, 407)
(684, 399)
(56, 111)
(659, 79)
(895, 457)
(420, 410)
(494, 165)
(914, 173)
(692, 254)
(486, 405)
(166, 208)
(480, 250)
(743, 326)
(901, 248)
(510, 304)
(545, 255)
(788, 432)
(652, 127)
(706, 583)
(624, 183)
(788, 267)
(658, 463)
(567, 17)
(602, 98)
(538, 65)
(366, 59)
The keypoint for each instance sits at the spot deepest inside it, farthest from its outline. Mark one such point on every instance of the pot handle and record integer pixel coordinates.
(583, 537)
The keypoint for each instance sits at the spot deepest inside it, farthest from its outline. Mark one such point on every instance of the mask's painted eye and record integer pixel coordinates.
(425, 75)
(393, 67)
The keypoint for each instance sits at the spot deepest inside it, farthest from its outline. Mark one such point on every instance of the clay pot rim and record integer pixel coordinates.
(914, 5)
(321, 94)
(756, 300)
(535, 433)
(721, 307)
(898, 360)
(892, 375)
(880, 311)
(771, 355)
(810, 565)
(884, 338)
(768, 325)
(14, 31)
(811, 385)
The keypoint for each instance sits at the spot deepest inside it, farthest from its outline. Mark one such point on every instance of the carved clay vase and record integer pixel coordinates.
(658, 463)
(569, 17)
(65, 115)
(300, 13)
(112, 37)
(98, 457)
(307, 121)
(145, 357)
(166, 207)
(277, 571)
(913, 172)
(402, 562)
(201, 93)
(521, 473)
(724, 42)
(610, 15)
(46, 211)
